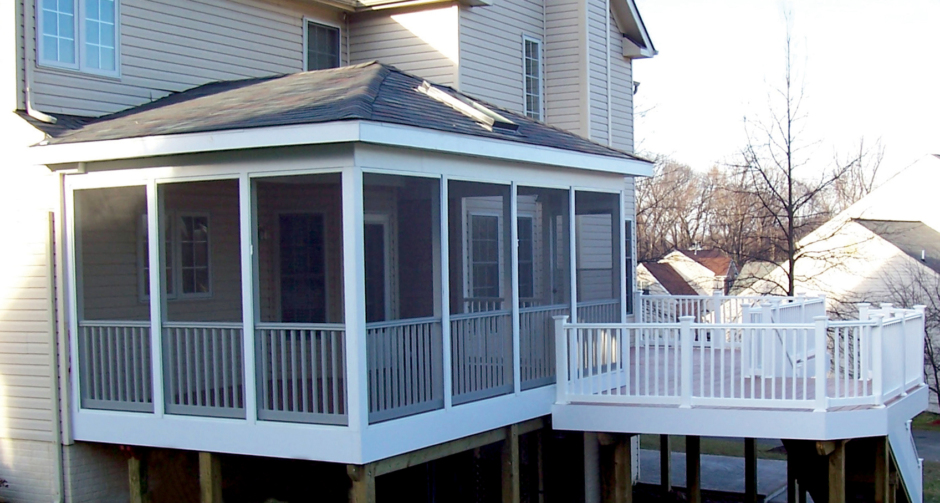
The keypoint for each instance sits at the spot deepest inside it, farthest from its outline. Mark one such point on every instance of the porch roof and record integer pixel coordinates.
(371, 92)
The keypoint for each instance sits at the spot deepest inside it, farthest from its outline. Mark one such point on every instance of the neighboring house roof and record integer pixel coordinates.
(756, 278)
(916, 239)
(369, 91)
(716, 261)
(671, 280)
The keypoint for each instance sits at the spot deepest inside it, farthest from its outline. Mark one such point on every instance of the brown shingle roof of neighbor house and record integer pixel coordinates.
(368, 91)
(671, 280)
(716, 261)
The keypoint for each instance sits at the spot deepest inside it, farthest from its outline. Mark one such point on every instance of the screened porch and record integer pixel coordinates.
(231, 298)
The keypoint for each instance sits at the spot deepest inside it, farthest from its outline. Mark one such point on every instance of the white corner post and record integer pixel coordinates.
(572, 255)
(445, 295)
(74, 294)
(246, 213)
(716, 304)
(154, 239)
(561, 360)
(622, 246)
(822, 361)
(685, 341)
(863, 310)
(921, 337)
(904, 352)
(877, 352)
(354, 297)
(514, 276)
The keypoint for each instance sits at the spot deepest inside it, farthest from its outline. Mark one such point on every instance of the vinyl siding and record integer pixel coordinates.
(597, 67)
(173, 45)
(621, 92)
(564, 66)
(491, 66)
(423, 43)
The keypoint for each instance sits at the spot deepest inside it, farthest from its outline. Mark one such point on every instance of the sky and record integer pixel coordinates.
(868, 69)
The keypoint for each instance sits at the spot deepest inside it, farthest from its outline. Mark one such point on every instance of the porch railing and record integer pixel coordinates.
(759, 365)
(405, 368)
(721, 308)
(203, 365)
(599, 311)
(537, 344)
(115, 365)
(481, 355)
(301, 372)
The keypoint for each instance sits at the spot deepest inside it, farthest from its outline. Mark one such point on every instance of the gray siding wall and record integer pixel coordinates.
(422, 42)
(491, 50)
(621, 92)
(173, 45)
(564, 67)
(597, 31)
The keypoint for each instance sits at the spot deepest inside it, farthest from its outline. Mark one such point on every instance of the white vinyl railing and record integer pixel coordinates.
(537, 344)
(760, 365)
(481, 355)
(203, 369)
(115, 365)
(599, 311)
(404, 368)
(720, 308)
(302, 368)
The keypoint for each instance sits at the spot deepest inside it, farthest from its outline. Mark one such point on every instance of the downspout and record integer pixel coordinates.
(30, 48)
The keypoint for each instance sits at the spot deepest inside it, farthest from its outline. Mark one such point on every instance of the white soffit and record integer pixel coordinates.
(634, 31)
(334, 132)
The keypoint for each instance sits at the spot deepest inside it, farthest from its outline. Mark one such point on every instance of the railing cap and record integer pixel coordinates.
(562, 317)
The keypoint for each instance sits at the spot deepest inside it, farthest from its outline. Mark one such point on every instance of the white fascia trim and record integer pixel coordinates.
(334, 132)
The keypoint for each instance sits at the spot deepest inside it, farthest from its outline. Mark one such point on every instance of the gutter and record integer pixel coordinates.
(30, 48)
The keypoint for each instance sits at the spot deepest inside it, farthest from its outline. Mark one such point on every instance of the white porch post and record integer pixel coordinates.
(572, 256)
(514, 275)
(685, 339)
(75, 306)
(822, 360)
(354, 298)
(877, 354)
(919, 335)
(621, 223)
(561, 360)
(154, 218)
(246, 213)
(445, 294)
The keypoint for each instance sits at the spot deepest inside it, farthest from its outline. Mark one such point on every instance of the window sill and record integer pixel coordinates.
(77, 72)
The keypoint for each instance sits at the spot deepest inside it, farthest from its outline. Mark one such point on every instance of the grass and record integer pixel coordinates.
(927, 421)
(717, 446)
(931, 482)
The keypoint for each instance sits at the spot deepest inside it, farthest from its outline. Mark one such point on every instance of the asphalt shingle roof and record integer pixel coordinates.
(916, 239)
(671, 280)
(370, 91)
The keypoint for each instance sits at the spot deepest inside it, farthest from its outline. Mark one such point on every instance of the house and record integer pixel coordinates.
(347, 250)
(689, 272)
(218, 252)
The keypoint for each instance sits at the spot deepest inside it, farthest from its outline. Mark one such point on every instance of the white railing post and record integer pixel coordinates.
(904, 343)
(863, 310)
(561, 359)
(877, 378)
(685, 340)
(716, 305)
(822, 362)
(920, 336)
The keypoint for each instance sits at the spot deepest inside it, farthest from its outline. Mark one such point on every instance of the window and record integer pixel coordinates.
(484, 256)
(526, 258)
(186, 256)
(532, 59)
(79, 34)
(321, 46)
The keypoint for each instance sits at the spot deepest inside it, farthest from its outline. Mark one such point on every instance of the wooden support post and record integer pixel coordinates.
(623, 470)
(750, 470)
(362, 477)
(512, 491)
(837, 473)
(882, 470)
(540, 459)
(693, 468)
(665, 463)
(210, 478)
(796, 493)
(137, 478)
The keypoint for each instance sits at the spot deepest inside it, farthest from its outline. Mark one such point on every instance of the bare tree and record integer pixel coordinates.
(859, 180)
(670, 209)
(772, 163)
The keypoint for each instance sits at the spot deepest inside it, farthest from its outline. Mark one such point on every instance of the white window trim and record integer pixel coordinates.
(470, 211)
(631, 285)
(176, 268)
(79, 32)
(390, 279)
(339, 45)
(541, 76)
(535, 257)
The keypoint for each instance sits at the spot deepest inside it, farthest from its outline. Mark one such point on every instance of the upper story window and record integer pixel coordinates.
(321, 46)
(79, 34)
(532, 62)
